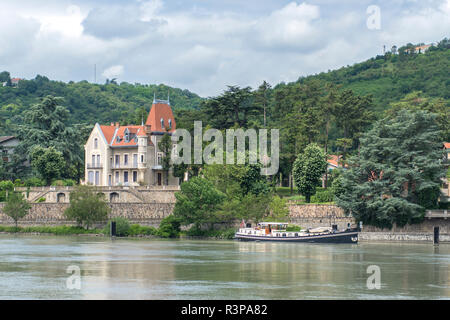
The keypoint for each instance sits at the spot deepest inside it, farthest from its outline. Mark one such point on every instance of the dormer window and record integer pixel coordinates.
(118, 139)
(127, 135)
(162, 123)
(170, 123)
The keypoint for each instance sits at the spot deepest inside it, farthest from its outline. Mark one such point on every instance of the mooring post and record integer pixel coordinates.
(113, 228)
(436, 235)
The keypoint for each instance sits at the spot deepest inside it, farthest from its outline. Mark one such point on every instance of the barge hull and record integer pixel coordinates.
(344, 237)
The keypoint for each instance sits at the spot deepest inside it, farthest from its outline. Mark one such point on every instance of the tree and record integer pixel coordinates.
(16, 206)
(352, 114)
(309, 167)
(46, 126)
(48, 162)
(87, 206)
(279, 210)
(197, 202)
(396, 175)
(261, 98)
(165, 145)
(232, 108)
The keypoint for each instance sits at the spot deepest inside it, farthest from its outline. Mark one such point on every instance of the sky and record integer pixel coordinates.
(205, 45)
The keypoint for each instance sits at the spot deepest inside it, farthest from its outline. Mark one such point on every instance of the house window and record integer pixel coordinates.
(170, 123)
(159, 159)
(162, 123)
(134, 176)
(93, 159)
(142, 158)
(117, 161)
(125, 177)
(111, 162)
(125, 159)
(135, 160)
(98, 159)
(97, 178)
(110, 180)
(117, 180)
(95, 143)
(91, 177)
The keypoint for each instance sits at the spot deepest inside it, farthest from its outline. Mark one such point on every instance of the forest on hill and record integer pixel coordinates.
(331, 109)
(87, 103)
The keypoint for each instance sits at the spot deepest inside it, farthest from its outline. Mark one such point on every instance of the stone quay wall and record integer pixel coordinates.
(52, 214)
(318, 215)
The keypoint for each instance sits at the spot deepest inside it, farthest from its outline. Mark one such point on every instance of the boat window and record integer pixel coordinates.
(284, 234)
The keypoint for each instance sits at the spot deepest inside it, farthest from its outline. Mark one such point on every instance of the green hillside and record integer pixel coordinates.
(390, 77)
(88, 102)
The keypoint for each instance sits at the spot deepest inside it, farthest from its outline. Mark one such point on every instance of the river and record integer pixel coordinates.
(36, 267)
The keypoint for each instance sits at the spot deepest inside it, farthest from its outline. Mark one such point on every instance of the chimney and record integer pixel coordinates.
(112, 124)
(117, 125)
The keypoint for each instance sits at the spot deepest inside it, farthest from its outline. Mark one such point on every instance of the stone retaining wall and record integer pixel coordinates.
(53, 213)
(318, 215)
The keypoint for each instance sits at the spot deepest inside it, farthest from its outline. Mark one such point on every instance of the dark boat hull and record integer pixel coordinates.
(338, 237)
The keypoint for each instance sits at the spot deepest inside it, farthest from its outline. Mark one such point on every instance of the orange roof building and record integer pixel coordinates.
(129, 155)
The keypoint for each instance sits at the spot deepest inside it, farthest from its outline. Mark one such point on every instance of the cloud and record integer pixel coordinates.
(113, 72)
(204, 45)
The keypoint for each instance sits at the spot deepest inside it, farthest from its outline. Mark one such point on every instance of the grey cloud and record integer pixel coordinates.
(118, 22)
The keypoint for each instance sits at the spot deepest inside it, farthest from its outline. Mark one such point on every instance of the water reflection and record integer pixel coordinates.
(35, 268)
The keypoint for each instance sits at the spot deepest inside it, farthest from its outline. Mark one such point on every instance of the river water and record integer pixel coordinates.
(36, 267)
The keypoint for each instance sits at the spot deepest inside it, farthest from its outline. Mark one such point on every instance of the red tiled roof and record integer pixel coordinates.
(108, 132)
(334, 159)
(160, 111)
(447, 145)
(121, 133)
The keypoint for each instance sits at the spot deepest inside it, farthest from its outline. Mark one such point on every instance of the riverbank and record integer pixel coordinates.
(400, 237)
(227, 234)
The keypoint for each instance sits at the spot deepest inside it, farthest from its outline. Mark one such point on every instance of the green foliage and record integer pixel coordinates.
(323, 196)
(41, 199)
(165, 145)
(57, 230)
(397, 173)
(16, 206)
(197, 202)
(308, 169)
(293, 228)
(122, 227)
(227, 233)
(279, 210)
(48, 162)
(169, 227)
(137, 230)
(34, 182)
(87, 206)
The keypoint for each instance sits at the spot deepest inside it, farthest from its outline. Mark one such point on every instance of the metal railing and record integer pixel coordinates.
(95, 165)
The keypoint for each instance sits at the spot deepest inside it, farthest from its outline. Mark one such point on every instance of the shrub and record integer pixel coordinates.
(41, 199)
(323, 195)
(57, 183)
(87, 206)
(34, 182)
(69, 182)
(219, 234)
(169, 227)
(136, 230)
(293, 227)
(122, 227)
